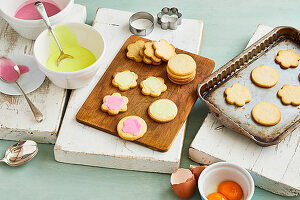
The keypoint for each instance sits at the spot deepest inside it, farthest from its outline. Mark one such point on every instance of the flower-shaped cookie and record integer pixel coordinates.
(153, 86)
(115, 103)
(164, 50)
(134, 51)
(125, 80)
(238, 95)
(289, 94)
(287, 58)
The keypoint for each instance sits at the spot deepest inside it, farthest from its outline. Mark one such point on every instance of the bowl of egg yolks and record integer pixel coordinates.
(81, 41)
(225, 181)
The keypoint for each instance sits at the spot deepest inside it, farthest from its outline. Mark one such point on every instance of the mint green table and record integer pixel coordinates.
(228, 25)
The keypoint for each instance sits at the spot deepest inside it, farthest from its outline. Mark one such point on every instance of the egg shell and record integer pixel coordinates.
(196, 170)
(186, 188)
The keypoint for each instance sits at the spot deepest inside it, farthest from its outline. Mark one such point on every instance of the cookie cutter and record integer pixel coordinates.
(141, 31)
(169, 24)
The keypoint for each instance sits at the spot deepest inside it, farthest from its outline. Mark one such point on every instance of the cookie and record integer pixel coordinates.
(149, 52)
(264, 76)
(162, 110)
(147, 60)
(133, 51)
(289, 94)
(287, 58)
(266, 114)
(125, 80)
(238, 95)
(115, 103)
(164, 50)
(131, 128)
(153, 86)
(181, 65)
(179, 77)
(182, 81)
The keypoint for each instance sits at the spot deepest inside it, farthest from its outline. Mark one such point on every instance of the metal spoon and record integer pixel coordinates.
(37, 114)
(41, 9)
(20, 153)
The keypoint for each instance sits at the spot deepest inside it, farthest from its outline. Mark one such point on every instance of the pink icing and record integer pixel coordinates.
(114, 102)
(7, 71)
(27, 10)
(132, 126)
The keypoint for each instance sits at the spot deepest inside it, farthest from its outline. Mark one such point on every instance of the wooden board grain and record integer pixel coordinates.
(159, 136)
(84, 145)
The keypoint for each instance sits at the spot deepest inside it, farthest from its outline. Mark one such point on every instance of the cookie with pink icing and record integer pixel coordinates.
(115, 103)
(131, 128)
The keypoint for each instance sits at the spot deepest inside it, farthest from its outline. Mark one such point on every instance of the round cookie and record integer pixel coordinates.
(131, 128)
(162, 110)
(153, 86)
(115, 103)
(289, 94)
(181, 65)
(266, 113)
(125, 80)
(181, 82)
(174, 76)
(264, 76)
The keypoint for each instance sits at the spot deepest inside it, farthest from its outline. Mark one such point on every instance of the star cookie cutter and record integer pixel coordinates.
(169, 23)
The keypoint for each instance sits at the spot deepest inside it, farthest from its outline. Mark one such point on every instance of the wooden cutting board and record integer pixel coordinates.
(159, 136)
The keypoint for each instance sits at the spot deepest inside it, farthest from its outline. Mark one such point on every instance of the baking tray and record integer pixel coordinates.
(262, 52)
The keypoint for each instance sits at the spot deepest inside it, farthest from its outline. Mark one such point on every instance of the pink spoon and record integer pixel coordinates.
(10, 72)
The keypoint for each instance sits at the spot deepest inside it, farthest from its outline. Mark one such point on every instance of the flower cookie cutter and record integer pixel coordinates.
(168, 22)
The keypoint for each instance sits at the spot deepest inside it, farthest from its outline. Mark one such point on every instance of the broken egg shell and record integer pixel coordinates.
(197, 170)
(183, 183)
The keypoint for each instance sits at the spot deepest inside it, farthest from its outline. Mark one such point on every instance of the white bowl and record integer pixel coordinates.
(88, 38)
(216, 173)
(30, 29)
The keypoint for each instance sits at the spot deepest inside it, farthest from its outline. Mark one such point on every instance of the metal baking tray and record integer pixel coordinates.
(262, 52)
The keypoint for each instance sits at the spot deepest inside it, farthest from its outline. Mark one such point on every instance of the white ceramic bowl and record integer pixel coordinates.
(30, 29)
(88, 38)
(216, 173)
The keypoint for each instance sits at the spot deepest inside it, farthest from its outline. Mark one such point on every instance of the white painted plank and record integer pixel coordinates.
(80, 144)
(274, 168)
(16, 120)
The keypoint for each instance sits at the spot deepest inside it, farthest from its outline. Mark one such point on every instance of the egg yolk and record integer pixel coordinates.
(216, 196)
(231, 190)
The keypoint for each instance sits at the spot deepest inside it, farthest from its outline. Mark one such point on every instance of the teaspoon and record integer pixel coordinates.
(20, 153)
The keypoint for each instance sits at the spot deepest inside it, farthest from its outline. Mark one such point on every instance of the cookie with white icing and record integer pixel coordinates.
(162, 110)
(125, 80)
(153, 86)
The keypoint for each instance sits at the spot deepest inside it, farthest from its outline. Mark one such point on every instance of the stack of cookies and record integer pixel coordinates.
(148, 54)
(151, 52)
(181, 69)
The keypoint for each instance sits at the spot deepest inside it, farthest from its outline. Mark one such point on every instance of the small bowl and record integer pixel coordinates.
(216, 173)
(88, 38)
(30, 29)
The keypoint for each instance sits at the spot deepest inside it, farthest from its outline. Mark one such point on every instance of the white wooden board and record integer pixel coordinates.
(16, 120)
(275, 168)
(80, 144)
